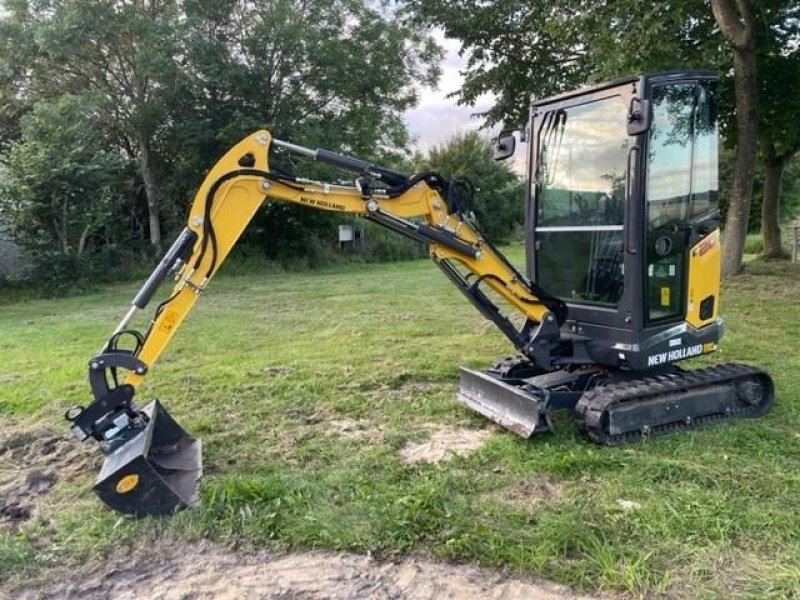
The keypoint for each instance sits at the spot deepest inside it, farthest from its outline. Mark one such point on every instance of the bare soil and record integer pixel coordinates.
(443, 443)
(183, 572)
(31, 462)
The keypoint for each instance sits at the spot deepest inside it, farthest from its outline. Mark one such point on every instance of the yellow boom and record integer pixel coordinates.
(231, 204)
(146, 445)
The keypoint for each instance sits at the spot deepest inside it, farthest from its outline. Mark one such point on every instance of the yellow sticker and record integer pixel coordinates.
(127, 483)
(664, 296)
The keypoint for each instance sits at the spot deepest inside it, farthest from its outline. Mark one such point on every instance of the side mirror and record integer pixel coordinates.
(504, 146)
(638, 116)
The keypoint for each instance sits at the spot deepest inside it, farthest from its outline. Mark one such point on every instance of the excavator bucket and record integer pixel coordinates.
(504, 404)
(155, 472)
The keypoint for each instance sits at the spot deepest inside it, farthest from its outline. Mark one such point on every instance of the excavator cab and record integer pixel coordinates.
(622, 225)
(622, 185)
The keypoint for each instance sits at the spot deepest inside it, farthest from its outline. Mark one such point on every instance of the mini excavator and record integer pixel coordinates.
(622, 280)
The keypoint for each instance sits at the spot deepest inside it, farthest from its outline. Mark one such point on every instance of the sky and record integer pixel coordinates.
(437, 117)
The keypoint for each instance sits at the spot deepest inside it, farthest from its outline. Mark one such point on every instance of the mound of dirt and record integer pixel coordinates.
(31, 462)
(182, 572)
(443, 443)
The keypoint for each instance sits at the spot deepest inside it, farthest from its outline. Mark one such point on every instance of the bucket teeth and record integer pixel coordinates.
(504, 404)
(155, 472)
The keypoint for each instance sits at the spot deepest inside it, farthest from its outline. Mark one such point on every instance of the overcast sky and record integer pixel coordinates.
(437, 117)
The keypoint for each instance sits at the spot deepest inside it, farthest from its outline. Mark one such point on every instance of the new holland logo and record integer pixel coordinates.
(672, 355)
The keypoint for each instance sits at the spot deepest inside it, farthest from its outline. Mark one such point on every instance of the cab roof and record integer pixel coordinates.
(632, 79)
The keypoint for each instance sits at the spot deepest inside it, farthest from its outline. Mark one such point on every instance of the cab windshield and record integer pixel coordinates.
(580, 188)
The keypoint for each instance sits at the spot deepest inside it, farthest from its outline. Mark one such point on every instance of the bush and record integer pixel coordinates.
(499, 193)
(318, 248)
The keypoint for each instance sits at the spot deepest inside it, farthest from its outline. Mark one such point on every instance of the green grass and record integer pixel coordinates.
(267, 360)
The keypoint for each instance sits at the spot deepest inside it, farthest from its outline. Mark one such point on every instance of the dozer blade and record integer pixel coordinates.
(504, 404)
(155, 472)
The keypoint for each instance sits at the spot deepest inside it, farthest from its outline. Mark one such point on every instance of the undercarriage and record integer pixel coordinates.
(612, 406)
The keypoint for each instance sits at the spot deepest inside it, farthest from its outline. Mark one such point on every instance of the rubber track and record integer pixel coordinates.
(593, 405)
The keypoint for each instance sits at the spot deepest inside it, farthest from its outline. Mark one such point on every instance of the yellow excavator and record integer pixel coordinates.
(622, 280)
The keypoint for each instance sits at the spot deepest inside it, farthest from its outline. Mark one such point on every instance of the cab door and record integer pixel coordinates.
(681, 190)
(580, 190)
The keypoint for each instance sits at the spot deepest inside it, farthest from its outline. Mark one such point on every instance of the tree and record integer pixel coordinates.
(126, 52)
(780, 134)
(736, 22)
(14, 45)
(176, 83)
(60, 185)
(499, 192)
(342, 84)
(516, 49)
(763, 32)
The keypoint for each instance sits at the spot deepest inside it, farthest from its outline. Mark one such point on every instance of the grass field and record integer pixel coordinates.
(269, 366)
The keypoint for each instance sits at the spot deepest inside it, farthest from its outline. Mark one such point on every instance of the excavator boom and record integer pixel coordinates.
(152, 465)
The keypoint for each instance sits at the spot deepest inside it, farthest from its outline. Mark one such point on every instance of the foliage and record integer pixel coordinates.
(175, 84)
(128, 54)
(790, 189)
(539, 48)
(779, 63)
(14, 50)
(353, 72)
(790, 193)
(499, 193)
(513, 49)
(62, 188)
(779, 73)
(341, 85)
(753, 245)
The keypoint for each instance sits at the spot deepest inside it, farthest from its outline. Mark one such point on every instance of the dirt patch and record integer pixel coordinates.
(528, 494)
(208, 571)
(31, 462)
(360, 430)
(443, 443)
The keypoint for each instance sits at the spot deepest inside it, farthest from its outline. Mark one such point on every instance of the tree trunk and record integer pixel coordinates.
(62, 241)
(771, 203)
(82, 241)
(736, 222)
(735, 20)
(150, 190)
